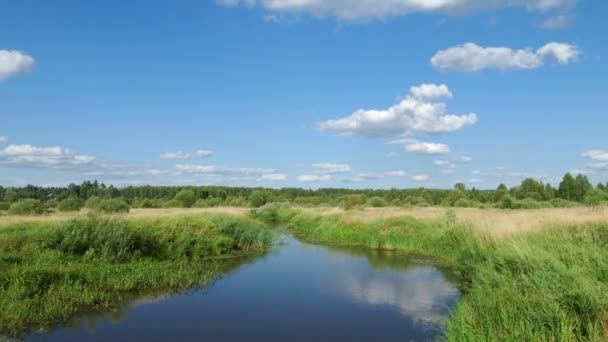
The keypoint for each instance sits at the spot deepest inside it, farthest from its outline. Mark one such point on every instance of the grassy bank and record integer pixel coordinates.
(50, 271)
(547, 284)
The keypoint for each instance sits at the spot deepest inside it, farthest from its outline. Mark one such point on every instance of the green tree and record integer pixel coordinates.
(72, 203)
(10, 196)
(595, 198)
(259, 197)
(187, 198)
(567, 188)
(583, 186)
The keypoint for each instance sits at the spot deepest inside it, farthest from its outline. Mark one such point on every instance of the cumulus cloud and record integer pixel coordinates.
(175, 155)
(420, 147)
(314, 178)
(358, 10)
(597, 155)
(221, 170)
(203, 153)
(470, 57)
(274, 177)
(41, 157)
(3, 139)
(416, 113)
(329, 168)
(14, 62)
(557, 22)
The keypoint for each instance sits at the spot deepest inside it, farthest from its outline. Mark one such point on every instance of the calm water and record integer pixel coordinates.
(298, 292)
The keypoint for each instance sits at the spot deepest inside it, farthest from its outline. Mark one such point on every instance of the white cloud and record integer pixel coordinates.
(41, 157)
(358, 10)
(470, 57)
(416, 113)
(447, 171)
(441, 163)
(431, 91)
(476, 172)
(314, 178)
(274, 177)
(329, 168)
(203, 153)
(557, 22)
(465, 159)
(475, 181)
(398, 173)
(175, 155)
(420, 147)
(597, 155)
(421, 178)
(14, 62)
(3, 139)
(221, 170)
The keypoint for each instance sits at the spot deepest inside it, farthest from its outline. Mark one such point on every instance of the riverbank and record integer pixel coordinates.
(51, 271)
(541, 284)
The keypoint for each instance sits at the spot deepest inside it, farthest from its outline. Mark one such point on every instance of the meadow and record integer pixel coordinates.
(538, 274)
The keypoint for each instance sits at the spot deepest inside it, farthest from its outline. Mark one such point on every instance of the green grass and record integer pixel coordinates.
(51, 272)
(548, 285)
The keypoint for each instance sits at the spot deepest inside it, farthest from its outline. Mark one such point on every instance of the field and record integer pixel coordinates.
(525, 274)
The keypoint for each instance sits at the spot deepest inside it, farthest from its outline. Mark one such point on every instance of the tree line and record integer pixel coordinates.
(571, 190)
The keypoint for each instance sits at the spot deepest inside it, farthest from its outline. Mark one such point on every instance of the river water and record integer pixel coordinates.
(298, 292)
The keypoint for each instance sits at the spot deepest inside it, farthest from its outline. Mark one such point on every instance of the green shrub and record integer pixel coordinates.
(92, 202)
(352, 201)
(259, 197)
(507, 202)
(396, 203)
(173, 204)
(26, 207)
(108, 239)
(209, 202)
(595, 198)
(465, 203)
(376, 202)
(4, 205)
(113, 205)
(186, 197)
(71, 203)
(562, 203)
(237, 202)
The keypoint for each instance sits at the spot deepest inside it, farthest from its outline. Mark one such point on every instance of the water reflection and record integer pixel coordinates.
(420, 292)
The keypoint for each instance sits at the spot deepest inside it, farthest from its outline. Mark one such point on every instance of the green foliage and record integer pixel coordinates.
(259, 197)
(149, 204)
(4, 205)
(466, 203)
(173, 204)
(450, 218)
(27, 207)
(562, 203)
(113, 205)
(10, 196)
(595, 198)
(353, 201)
(71, 203)
(209, 202)
(187, 197)
(93, 202)
(376, 202)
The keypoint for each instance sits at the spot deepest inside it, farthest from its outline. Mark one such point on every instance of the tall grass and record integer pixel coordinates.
(546, 285)
(49, 272)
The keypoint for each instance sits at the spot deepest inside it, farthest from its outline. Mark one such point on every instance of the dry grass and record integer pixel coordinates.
(499, 223)
(134, 213)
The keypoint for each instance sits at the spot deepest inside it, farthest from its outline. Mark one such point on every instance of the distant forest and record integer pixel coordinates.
(531, 193)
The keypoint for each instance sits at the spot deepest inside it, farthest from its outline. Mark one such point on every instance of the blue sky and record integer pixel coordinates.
(340, 93)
